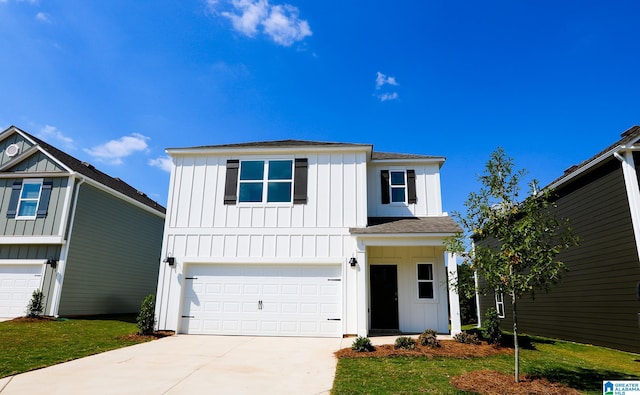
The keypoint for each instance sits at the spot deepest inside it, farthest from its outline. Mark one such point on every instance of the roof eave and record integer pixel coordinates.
(174, 152)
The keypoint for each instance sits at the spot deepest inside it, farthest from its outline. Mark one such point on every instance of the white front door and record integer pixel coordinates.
(17, 283)
(262, 300)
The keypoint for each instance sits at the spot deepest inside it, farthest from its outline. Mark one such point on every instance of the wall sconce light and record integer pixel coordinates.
(353, 262)
(52, 262)
(170, 260)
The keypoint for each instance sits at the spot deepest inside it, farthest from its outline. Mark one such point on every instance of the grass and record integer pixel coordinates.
(31, 345)
(579, 366)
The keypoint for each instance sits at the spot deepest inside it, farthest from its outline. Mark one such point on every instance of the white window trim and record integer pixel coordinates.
(500, 304)
(406, 189)
(433, 281)
(39, 181)
(265, 182)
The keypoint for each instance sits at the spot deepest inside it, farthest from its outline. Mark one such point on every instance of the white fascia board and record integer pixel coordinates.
(257, 231)
(423, 161)
(22, 261)
(44, 174)
(403, 239)
(303, 149)
(31, 240)
(117, 194)
(259, 260)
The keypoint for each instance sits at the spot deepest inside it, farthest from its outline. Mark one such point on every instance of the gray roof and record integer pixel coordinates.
(388, 225)
(278, 144)
(391, 155)
(631, 135)
(96, 175)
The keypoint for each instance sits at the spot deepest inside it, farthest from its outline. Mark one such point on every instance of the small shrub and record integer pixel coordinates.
(362, 344)
(492, 332)
(405, 343)
(35, 308)
(467, 338)
(147, 316)
(429, 338)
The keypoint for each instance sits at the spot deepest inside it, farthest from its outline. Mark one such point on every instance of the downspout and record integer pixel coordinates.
(633, 192)
(62, 263)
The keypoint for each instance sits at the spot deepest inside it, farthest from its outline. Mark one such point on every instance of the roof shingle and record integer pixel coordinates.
(387, 225)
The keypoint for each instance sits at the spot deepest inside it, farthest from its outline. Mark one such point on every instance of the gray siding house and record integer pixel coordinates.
(90, 242)
(597, 301)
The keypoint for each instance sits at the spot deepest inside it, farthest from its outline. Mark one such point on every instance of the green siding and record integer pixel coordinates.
(113, 256)
(48, 226)
(14, 138)
(37, 162)
(596, 301)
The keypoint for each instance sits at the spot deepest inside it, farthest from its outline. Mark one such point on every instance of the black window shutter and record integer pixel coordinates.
(411, 187)
(45, 195)
(231, 182)
(300, 181)
(13, 201)
(384, 180)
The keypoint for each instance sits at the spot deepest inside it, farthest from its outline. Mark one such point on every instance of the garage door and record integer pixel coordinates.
(262, 300)
(17, 283)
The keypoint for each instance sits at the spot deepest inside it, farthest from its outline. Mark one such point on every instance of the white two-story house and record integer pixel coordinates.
(305, 238)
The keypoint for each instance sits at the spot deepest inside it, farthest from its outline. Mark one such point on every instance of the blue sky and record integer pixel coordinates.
(116, 82)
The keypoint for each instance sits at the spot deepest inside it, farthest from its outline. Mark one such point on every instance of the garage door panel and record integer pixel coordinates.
(17, 283)
(265, 300)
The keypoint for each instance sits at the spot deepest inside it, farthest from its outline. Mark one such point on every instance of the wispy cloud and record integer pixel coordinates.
(53, 135)
(115, 150)
(381, 81)
(163, 162)
(280, 22)
(43, 17)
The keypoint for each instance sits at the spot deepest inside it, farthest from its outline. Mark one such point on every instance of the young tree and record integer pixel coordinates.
(515, 241)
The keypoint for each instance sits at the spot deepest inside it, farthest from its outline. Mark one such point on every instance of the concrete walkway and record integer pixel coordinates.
(193, 364)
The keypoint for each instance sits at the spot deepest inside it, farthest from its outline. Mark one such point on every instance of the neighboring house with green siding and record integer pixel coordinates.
(598, 300)
(89, 241)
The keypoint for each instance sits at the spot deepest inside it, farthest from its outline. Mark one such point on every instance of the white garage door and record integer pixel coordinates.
(262, 300)
(17, 283)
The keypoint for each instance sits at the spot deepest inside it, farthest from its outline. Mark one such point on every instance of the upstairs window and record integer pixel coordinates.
(265, 181)
(425, 281)
(398, 186)
(29, 199)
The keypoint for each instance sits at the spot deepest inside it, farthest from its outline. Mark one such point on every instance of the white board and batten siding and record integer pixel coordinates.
(200, 229)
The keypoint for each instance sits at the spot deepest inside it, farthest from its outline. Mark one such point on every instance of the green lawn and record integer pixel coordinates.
(582, 367)
(26, 346)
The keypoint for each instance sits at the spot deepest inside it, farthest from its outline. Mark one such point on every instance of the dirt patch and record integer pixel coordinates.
(448, 348)
(33, 319)
(489, 382)
(155, 335)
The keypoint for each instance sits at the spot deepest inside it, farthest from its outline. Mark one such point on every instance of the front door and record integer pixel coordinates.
(384, 297)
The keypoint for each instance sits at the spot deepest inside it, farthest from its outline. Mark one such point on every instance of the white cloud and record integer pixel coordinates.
(51, 134)
(113, 151)
(382, 79)
(43, 17)
(163, 162)
(281, 23)
(388, 96)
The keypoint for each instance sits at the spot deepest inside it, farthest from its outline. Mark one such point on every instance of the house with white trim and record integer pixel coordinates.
(89, 241)
(305, 238)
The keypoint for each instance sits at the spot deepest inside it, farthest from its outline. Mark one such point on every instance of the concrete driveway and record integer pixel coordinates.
(193, 364)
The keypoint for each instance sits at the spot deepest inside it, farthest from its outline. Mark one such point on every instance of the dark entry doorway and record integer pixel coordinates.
(384, 297)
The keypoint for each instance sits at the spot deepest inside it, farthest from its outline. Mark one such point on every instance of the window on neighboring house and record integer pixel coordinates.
(265, 181)
(398, 186)
(425, 281)
(500, 304)
(29, 199)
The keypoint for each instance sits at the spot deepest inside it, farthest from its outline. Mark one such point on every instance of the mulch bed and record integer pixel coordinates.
(34, 319)
(448, 348)
(489, 382)
(155, 335)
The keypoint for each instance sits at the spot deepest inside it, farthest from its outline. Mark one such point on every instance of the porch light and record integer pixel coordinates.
(52, 262)
(353, 262)
(170, 260)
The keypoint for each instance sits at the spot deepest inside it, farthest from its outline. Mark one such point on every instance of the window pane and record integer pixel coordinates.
(425, 290)
(250, 192)
(397, 194)
(280, 170)
(279, 192)
(425, 272)
(397, 178)
(27, 208)
(252, 170)
(30, 191)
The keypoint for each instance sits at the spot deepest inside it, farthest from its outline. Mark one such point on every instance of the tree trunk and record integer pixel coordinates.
(515, 337)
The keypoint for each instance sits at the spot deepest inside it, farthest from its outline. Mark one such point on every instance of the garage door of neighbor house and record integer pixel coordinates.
(17, 283)
(262, 300)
